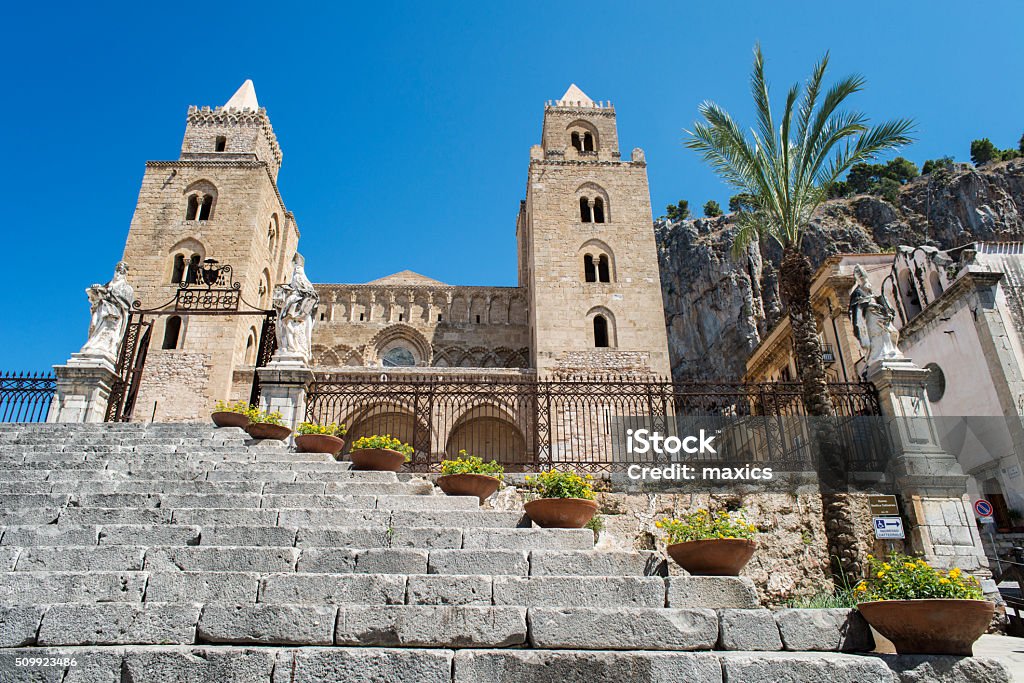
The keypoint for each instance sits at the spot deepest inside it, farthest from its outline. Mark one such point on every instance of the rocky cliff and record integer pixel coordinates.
(718, 305)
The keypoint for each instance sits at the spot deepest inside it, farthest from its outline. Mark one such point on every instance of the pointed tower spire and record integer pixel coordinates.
(244, 97)
(575, 97)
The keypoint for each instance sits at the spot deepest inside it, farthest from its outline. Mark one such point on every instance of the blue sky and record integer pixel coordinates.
(406, 127)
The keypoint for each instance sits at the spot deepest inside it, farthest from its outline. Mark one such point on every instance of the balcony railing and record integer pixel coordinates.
(26, 397)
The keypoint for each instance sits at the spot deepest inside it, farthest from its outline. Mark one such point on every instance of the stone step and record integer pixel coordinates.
(166, 581)
(44, 472)
(263, 664)
(215, 551)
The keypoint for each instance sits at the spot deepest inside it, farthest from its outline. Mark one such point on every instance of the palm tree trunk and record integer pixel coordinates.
(837, 511)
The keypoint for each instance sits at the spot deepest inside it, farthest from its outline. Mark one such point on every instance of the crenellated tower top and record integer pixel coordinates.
(239, 129)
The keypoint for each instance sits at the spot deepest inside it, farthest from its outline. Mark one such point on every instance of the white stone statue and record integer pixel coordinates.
(111, 304)
(296, 305)
(872, 318)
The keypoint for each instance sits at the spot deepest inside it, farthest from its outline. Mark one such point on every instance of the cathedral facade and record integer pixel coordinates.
(588, 301)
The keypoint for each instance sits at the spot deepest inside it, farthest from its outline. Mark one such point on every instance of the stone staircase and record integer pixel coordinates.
(151, 553)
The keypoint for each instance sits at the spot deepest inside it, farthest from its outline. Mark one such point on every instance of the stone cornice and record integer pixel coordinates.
(574, 162)
(225, 163)
(607, 112)
(398, 288)
(956, 293)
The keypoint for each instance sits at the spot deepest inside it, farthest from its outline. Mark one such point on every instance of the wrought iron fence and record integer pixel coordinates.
(26, 397)
(529, 425)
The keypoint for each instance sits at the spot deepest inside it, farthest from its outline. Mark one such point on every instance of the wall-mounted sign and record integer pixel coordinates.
(889, 528)
(883, 506)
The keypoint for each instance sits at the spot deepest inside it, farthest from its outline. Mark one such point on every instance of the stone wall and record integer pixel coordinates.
(174, 382)
(441, 325)
(790, 562)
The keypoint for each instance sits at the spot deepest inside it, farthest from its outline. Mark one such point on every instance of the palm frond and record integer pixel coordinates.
(762, 102)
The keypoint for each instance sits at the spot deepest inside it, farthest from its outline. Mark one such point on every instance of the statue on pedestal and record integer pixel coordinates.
(296, 305)
(111, 304)
(872, 318)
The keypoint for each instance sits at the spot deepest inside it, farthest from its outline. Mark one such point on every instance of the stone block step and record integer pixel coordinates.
(274, 549)
(320, 664)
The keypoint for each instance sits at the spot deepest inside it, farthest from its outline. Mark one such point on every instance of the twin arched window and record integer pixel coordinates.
(596, 270)
(200, 207)
(583, 142)
(592, 210)
(186, 271)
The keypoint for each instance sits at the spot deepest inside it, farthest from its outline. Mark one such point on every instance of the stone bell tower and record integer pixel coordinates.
(587, 251)
(219, 200)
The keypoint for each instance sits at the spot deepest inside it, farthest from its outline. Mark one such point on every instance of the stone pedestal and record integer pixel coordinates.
(930, 481)
(283, 387)
(83, 389)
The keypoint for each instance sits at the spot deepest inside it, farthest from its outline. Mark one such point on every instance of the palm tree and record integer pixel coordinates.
(786, 169)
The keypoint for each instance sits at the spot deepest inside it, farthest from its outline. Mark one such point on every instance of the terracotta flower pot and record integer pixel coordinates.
(479, 485)
(934, 626)
(713, 556)
(318, 443)
(264, 430)
(224, 418)
(377, 459)
(561, 513)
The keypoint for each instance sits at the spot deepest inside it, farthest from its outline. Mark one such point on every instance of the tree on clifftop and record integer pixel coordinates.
(712, 209)
(787, 167)
(678, 212)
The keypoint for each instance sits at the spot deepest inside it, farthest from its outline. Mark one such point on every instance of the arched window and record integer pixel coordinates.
(172, 330)
(193, 208)
(600, 332)
(603, 271)
(575, 138)
(585, 210)
(272, 235)
(934, 285)
(264, 290)
(250, 348)
(398, 357)
(206, 209)
(192, 271)
(178, 270)
(908, 292)
(588, 143)
(589, 272)
(598, 210)
(221, 144)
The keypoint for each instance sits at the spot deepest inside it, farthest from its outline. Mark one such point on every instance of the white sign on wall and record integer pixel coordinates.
(889, 528)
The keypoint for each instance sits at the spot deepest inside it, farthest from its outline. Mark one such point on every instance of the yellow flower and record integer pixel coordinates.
(943, 581)
(861, 588)
(880, 574)
(909, 565)
(954, 573)
(886, 566)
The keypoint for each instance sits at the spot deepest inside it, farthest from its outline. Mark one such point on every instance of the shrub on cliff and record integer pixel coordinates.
(712, 209)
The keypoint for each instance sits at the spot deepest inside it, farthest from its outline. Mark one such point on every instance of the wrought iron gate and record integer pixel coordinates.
(209, 290)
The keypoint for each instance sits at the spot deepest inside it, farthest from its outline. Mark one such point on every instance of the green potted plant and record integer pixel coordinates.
(314, 438)
(469, 475)
(923, 610)
(231, 414)
(382, 453)
(709, 544)
(564, 500)
(266, 425)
